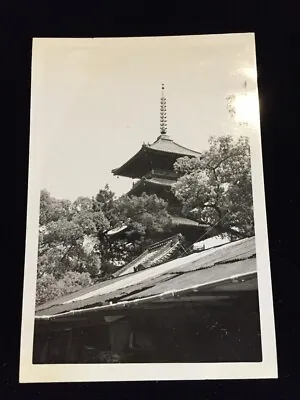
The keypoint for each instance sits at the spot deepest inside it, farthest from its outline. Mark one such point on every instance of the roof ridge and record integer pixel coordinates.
(186, 148)
(163, 244)
(165, 256)
(149, 146)
(132, 262)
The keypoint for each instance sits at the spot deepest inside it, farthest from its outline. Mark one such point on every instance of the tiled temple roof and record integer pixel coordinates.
(156, 254)
(231, 264)
(176, 221)
(150, 182)
(162, 146)
(187, 222)
(165, 144)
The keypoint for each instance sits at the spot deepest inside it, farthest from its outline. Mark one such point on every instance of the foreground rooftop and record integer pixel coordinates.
(220, 271)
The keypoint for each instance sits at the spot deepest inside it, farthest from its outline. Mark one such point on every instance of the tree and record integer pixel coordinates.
(49, 288)
(216, 188)
(74, 240)
(144, 217)
(66, 259)
(65, 230)
(52, 209)
(105, 201)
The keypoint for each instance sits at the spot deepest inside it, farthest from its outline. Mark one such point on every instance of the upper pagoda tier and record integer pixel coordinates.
(153, 165)
(157, 157)
(160, 155)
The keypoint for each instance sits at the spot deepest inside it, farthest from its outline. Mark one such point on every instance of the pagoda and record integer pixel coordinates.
(153, 165)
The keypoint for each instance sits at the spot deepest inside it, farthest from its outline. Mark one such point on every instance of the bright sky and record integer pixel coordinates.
(95, 101)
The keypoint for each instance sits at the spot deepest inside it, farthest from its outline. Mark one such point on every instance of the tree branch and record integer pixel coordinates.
(216, 208)
(232, 231)
(226, 158)
(69, 248)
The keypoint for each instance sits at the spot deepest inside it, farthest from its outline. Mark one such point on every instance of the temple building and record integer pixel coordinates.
(202, 307)
(153, 165)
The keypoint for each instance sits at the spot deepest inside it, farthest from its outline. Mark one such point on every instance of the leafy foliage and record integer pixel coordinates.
(49, 288)
(216, 188)
(63, 236)
(145, 215)
(52, 209)
(73, 238)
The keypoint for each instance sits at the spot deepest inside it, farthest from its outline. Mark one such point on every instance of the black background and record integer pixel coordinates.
(277, 46)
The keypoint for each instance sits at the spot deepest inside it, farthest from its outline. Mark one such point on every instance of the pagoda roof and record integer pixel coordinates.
(176, 221)
(159, 181)
(163, 145)
(182, 221)
(156, 254)
(155, 181)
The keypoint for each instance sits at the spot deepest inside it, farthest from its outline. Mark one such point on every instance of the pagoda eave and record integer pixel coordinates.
(162, 151)
(151, 185)
(124, 170)
(191, 231)
(182, 221)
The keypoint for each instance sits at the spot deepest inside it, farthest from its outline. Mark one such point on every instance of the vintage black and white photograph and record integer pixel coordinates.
(147, 250)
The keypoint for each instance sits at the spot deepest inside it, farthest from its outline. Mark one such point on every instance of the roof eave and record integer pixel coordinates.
(140, 301)
(120, 170)
(173, 152)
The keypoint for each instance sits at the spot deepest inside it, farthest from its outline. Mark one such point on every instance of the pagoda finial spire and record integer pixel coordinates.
(163, 111)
